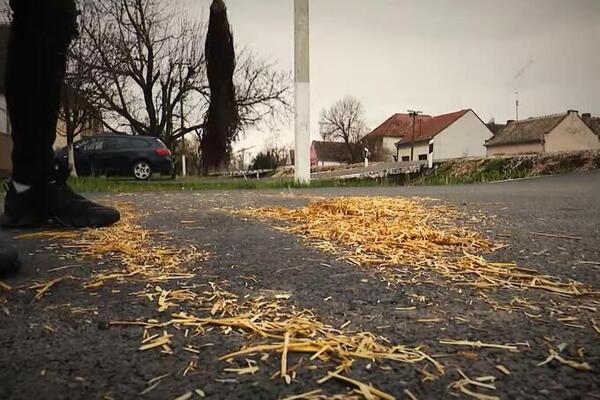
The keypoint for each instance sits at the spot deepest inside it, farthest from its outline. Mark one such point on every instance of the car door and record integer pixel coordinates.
(107, 157)
(92, 150)
(83, 150)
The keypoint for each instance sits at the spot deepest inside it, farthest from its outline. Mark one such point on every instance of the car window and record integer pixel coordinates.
(138, 143)
(92, 145)
(112, 144)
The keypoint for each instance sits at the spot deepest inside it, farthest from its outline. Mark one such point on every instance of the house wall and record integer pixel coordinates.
(5, 140)
(464, 138)
(389, 148)
(330, 163)
(421, 148)
(512, 149)
(572, 134)
(93, 127)
(61, 138)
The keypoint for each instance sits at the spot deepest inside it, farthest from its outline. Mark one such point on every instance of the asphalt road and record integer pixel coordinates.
(51, 352)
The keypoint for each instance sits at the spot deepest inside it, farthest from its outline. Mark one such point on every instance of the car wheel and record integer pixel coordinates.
(142, 170)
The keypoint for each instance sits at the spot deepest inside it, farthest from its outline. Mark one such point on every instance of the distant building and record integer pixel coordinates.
(592, 122)
(455, 135)
(325, 154)
(547, 134)
(5, 140)
(93, 126)
(494, 127)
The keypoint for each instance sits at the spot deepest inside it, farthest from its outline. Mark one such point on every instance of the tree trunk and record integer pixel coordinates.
(222, 118)
(71, 156)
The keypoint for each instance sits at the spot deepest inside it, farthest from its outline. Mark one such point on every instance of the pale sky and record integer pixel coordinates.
(437, 56)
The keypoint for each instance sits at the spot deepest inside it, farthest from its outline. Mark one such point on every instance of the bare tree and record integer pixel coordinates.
(344, 122)
(151, 73)
(5, 12)
(150, 63)
(263, 93)
(79, 111)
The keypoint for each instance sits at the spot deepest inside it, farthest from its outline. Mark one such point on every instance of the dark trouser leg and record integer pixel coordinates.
(40, 37)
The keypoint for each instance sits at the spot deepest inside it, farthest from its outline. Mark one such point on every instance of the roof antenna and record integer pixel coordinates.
(517, 105)
(518, 76)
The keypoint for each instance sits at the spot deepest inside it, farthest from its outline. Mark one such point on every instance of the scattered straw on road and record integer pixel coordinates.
(397, 232)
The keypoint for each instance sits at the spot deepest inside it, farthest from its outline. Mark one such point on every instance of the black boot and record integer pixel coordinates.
(9, 261)
(53, 205)
(72, 210)
(23, 210)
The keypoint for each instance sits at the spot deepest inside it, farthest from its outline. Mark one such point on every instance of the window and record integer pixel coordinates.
(92, 145)
(405, 158)
(112, 144)
(139, 143)
(422, 157)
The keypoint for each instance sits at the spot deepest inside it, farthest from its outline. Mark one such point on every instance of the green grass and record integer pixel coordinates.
(116, 185)
(492, 170)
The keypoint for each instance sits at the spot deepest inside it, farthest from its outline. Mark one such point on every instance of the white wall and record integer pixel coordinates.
(572, 134)
(330, 163)
(513, 149)
(4, 125)
(389, 147)
(5, 140)
(464, 138)
(420, 148)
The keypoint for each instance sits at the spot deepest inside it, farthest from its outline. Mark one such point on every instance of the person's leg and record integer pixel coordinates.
(40, 36)
(35, 70)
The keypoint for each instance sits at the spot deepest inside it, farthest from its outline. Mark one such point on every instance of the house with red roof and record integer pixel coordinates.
(456, 135)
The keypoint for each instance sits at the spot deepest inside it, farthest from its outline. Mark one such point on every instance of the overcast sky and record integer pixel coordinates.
(437, 56)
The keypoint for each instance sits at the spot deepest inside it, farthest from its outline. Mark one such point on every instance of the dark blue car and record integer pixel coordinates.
(124, 155)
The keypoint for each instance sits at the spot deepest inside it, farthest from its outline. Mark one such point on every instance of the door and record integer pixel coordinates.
(111, 157)
(85, 152)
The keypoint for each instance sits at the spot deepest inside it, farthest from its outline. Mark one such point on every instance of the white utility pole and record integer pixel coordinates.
(302, 78)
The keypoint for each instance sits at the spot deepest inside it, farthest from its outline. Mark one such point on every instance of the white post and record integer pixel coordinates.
(302, 78)
(183, 167)
(430, 155)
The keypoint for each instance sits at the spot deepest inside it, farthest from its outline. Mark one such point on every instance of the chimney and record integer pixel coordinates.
(587, 118)
(573, 112)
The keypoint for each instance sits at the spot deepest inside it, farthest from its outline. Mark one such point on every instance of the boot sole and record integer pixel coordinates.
(7, 222)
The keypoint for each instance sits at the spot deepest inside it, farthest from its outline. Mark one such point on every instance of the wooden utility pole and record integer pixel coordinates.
(302, 78)
(414, 115)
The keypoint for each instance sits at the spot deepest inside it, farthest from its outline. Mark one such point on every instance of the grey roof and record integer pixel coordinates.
(594, 123)
(531, 130)
(4, 32)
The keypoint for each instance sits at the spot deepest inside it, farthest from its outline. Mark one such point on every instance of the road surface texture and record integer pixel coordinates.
(63, 345)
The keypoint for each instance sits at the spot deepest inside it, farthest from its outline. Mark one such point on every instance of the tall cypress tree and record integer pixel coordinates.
(222, 118)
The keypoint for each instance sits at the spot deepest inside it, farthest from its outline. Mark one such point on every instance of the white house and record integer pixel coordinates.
(547, 134)
(456, 135)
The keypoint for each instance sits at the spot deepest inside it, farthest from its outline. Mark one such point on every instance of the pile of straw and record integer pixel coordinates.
(397, 232)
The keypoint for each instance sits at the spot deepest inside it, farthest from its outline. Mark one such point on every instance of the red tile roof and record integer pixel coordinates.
(400, 126)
